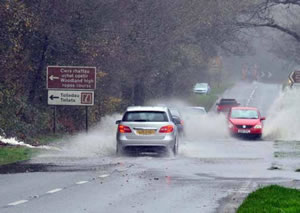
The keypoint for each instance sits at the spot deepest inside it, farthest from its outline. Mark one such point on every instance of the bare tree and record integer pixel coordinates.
(261, 14)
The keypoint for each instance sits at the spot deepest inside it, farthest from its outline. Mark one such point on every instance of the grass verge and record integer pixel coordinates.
(209, 100)
(14, 154)
(48, 139)
(272, 199)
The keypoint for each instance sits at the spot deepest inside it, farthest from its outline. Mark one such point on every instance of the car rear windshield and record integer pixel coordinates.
(201, 85)
(228, 101)
(145, 116)
(244, 114)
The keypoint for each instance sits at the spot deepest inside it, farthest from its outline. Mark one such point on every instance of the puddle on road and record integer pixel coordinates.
(39, 167)
(287, 155)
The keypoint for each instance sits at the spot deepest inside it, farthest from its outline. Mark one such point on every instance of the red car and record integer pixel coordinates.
(245, 121)
(225, 104)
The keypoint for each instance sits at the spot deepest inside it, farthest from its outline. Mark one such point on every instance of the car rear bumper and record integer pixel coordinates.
(200, 91)
(167, 141)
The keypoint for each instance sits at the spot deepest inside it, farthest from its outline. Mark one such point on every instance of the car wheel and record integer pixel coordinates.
(175, 148)
(119, 150)
(258, 137)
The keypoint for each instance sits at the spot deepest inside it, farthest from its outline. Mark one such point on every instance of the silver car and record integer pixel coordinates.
(202, 88)
(147, 127)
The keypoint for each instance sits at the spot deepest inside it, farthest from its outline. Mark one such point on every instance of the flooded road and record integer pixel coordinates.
(212, 173)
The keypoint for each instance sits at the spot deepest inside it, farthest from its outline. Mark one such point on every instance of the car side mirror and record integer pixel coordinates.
(118, 121)
(262, 118)
(176, 120)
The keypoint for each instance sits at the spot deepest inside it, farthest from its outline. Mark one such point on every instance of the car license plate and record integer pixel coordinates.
(244, 131)
(146, 131)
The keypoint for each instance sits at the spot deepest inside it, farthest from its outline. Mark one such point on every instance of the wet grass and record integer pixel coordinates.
(48, 139)
(210, 99)
(15, 154)
(272, 199)
(12, 154)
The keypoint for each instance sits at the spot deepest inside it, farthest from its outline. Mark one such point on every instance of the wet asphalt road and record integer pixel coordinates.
(212, 173)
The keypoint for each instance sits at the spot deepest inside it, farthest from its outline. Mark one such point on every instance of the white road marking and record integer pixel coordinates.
(251, 96)
(17, 202)
(54, 191)
(81, 182)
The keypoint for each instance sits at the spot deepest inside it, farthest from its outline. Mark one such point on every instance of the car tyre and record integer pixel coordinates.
(119, 150)
(175, 148)
(258, 137)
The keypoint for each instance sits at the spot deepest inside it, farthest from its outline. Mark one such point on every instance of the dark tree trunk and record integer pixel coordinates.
(126, 93)
(139, 93)
(37, 79)
(169, 85)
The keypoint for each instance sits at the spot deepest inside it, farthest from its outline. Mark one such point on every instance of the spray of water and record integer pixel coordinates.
(204, 133)
(283, 119)
(99, 141)
(207, 136)
(15, 142)
(210, 126)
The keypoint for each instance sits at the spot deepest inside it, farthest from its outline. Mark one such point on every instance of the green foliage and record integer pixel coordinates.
(272, 199)
(47, 139)
(14, 154)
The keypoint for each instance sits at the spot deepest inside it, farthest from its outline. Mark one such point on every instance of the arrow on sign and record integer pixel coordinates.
(52, 77)
(269, 75)
(262, 74)
(291, 78)
(53, 97)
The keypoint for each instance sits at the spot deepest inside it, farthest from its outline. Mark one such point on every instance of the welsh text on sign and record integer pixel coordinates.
(71, 78)
(66, 97)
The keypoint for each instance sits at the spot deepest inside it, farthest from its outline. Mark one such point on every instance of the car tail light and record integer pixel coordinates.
(166, 129)
(124, 129)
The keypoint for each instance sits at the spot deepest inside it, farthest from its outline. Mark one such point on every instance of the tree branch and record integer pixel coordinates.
(294, 2)
(294, 34)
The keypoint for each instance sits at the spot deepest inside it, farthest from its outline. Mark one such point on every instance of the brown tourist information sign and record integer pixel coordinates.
(71, 78)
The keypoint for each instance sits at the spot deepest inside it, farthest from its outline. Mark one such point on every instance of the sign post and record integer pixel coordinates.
(54, 119)
(87, 119)
(72, 86)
